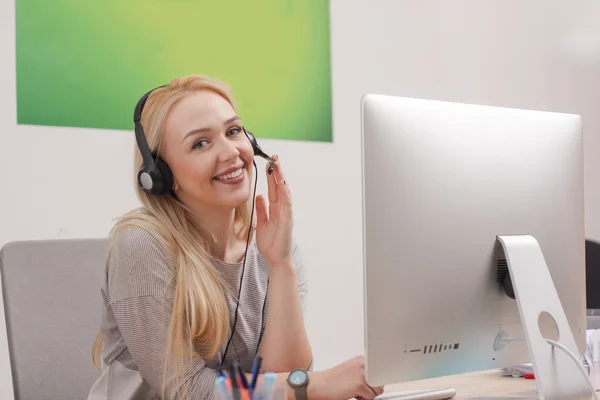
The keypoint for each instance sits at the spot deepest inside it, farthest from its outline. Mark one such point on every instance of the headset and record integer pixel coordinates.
(155, 178)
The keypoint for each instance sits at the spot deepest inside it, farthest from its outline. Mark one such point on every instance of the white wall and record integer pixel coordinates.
(503, 53)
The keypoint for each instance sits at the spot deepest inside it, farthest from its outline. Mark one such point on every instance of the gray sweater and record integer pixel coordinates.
(138, 303)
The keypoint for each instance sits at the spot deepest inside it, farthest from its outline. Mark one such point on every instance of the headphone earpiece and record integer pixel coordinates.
(157, 180)
(155, 177)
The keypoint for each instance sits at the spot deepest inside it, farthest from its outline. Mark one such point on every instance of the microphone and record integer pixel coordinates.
(259, 152)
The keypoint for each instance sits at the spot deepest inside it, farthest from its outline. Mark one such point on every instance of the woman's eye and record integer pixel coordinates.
(199, 143)
(233, 131)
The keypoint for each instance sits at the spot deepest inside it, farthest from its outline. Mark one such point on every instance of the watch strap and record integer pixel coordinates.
(300, 392)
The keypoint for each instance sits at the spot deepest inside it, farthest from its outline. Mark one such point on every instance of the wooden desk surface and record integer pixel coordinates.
(479, 384)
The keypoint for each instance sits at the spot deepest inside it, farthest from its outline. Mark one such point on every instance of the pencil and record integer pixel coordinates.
(255, 371)
(234, 383)
(243, 379)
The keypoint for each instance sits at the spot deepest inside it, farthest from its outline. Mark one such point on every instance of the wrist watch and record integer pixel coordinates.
(298, 380)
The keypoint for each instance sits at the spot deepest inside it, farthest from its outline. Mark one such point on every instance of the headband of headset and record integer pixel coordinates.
(140, 137)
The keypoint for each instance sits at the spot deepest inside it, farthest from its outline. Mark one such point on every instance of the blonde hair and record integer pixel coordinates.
(199, 322)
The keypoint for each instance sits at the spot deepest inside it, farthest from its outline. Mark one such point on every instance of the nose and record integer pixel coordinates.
(228, 151)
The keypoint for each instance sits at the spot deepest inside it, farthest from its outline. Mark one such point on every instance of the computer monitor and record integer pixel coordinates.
(448, 190)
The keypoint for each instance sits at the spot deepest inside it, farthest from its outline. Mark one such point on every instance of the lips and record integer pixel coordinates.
(229, 171)
(231, 175)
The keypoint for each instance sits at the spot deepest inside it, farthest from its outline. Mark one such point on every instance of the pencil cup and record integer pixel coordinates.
(279, 392)
(268, 389)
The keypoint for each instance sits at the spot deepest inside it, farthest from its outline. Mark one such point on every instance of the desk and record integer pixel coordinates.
(485, 383)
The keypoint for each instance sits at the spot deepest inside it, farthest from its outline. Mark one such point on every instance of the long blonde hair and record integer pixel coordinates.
(199, 322)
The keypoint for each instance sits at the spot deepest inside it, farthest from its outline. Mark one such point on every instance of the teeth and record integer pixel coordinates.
(231, 175)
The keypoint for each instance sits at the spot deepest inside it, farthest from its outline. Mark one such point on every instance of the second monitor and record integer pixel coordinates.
(448, 190)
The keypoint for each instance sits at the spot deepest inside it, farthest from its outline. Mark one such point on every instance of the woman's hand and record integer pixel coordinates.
(274, 227)
(342, 382)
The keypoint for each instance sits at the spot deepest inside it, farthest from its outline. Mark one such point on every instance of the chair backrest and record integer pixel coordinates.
(592, 274)
(52, 305)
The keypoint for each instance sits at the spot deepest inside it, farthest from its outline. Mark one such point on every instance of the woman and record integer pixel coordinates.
(177, 265)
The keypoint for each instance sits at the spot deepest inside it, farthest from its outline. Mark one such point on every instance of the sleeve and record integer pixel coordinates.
(302, 276)
(139, 276)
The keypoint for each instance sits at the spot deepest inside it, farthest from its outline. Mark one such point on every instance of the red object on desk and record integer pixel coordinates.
(529, 376)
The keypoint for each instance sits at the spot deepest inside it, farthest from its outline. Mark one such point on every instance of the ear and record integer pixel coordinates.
(175, 186)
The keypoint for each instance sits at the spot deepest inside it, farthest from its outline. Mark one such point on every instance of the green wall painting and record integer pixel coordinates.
(86, 63)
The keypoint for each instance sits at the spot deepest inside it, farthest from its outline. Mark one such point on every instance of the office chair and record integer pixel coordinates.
(52, 304)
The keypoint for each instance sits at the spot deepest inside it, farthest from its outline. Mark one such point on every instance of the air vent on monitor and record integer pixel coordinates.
(501, 270)
(436, 348)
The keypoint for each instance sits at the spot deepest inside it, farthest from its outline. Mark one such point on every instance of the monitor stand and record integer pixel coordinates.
(556, 374)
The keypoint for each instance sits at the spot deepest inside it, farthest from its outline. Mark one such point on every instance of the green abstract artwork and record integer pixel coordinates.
(86, 63)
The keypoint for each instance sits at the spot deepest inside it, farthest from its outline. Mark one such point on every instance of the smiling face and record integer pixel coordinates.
(208, 152)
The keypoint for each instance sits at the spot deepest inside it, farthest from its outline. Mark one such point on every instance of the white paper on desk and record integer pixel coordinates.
(596, 345)
(518, 370)
(595, 356)
(592, 355)
(589, 340)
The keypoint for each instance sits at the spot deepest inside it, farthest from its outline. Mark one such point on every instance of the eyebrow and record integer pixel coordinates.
(208, 129)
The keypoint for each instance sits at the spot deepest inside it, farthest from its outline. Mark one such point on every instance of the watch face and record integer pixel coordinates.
(298, 377)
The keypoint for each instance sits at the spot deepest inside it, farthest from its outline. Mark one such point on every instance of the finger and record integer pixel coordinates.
(377, 390)
(275, 212)
(364, 392)
(283, 188)
(284, 192)
(272, 186)
(262, 216)
(278, 171)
